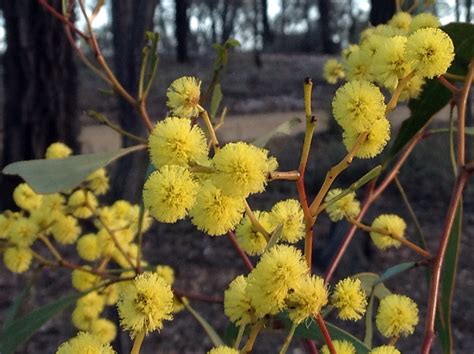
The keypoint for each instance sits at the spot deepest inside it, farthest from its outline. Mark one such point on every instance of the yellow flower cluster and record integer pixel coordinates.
(85, 343)
(280, 281)
(145, 303)
(350, 299)
(397, 56)
(345, 207)
(341, 346)
(223, 350)
(287, 213)
(188, 181)
(392, 224)
(397, 316)
(385, 349)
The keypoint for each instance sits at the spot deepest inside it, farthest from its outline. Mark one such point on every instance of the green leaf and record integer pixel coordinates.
(369, 176)
(431, 100)
(275, 236)
(311, 330)
(51, 176)
(231, 333)
(448, 278)
(13, 310)
(372, 281)
(397, 269)
(462, 35)
(232, 43)
(211, 332)
(369, 326)
(216, 99)
(22, 329)
(285, 128)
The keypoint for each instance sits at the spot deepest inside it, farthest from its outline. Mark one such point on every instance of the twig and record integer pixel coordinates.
(239, 250)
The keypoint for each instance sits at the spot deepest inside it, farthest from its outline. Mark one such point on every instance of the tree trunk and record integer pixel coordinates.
(325, 11)
(267, 34)
(381, 11)
(468, 10)
(40, 77)
(181, 30)
(456, 10)
(130, 20)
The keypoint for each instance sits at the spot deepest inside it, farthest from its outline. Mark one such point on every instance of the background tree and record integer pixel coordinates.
(41, 76)
(130, 20)
(381, 11)
(181, 30)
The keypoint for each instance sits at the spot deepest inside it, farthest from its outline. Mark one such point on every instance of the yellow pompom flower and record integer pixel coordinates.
(57, 151)
(43, 218)
(223, 350)
(85, 343)
(346, 207)
(93, 303)
(350, 299)
(98, 182)
(390, 62)
(183, 97)
(237, 302)
(81, 318)
(371, 46)
(289, 214)
(104, 329)
(82, 203)
(358, 105)
(249, 239)
(111, 294)
(392, 224)
(26, 198)
(397, 315)
(107, 244)
(214, 212)
(307, 298)
(88, 247)
(269, 283)
(174, 141)
(357, 65)
(333, 71)
(53, 203)
(430, 52)
(401, 21)
(7, 220)
(166, 272)
(388, 31)
(341, 346)
(83, 280)
(385, 349)
(145, 303)
(424, 20)
(66, 229)
(169, 193)
(24, 232)
(377, 138)
(411, 90)
(133, 217)
(17, 259)
(241, 169)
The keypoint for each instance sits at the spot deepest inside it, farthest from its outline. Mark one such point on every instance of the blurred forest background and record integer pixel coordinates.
(46, 90)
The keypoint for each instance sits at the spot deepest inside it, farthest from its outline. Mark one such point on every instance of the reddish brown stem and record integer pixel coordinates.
(461, 103)
(325, 332)
(239, 250)
(448, 84)
(438, 262)
(62, 18)
(372, 195)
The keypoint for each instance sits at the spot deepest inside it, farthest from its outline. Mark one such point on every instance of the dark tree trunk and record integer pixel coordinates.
(468, 10)
(325, 11)
(228, 19)
(181, 30)
(40, 80)
(456, 10)
(381, 11)
(267, 34)
(130, 20)
(256, 36)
